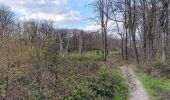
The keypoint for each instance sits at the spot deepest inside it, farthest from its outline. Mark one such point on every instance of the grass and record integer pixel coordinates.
(157, 88)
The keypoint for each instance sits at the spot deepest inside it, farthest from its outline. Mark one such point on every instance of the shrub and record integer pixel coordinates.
(163, 69)
(157, 56)
(110, 84)
(80, 92)
(107, 85)
(147, 67)
(51, 54)
(165, 95)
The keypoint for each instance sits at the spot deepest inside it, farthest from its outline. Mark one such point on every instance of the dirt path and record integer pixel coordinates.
(136, 89)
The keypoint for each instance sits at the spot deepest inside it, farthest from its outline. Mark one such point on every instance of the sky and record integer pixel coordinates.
(74, 14)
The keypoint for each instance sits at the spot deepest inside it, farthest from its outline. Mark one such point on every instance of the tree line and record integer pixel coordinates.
(68, 39)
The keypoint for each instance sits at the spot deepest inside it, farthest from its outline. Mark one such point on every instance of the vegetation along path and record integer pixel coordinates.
(136, 89)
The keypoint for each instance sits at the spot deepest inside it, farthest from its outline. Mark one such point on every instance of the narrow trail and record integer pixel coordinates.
(136, 89)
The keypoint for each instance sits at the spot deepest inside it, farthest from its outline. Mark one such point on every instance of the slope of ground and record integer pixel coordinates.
(136, 89)
(159, 89)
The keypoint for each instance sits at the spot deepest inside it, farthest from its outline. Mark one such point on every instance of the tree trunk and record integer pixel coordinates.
(80, 43)
(61, 45)
(163, 48)
(126, 45)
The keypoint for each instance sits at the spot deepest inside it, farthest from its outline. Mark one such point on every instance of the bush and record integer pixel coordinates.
(80, 92)
(147, 67)
(106, 85)
(163, 69)
(165, 95)
(51, 54)
(110, 85)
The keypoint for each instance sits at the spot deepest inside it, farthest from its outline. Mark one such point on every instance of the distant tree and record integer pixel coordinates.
(6, 20)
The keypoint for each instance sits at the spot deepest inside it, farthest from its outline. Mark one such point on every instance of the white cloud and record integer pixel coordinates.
(55, 10)
(84, 2)
(92, 27)
(112, 26)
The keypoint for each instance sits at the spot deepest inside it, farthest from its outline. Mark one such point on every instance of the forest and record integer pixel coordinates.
(126, 58)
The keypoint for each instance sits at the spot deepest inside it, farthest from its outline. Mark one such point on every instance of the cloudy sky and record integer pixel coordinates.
(65, 13)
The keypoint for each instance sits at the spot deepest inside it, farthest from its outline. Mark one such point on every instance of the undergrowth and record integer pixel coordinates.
(73, 77)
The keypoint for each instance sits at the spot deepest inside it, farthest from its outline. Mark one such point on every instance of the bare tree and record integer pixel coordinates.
(164, 19)
(102, 7)
(132, 22)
